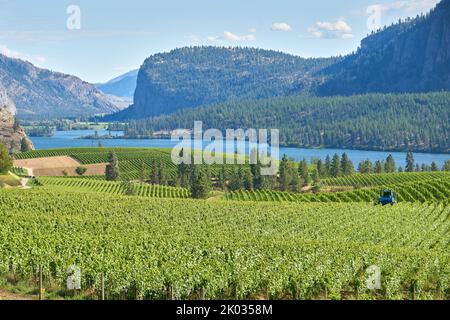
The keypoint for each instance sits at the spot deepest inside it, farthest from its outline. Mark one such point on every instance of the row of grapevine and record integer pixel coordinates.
(169, 247)
(371, 180)
(432, 190)
(109, 187)
(80, 151)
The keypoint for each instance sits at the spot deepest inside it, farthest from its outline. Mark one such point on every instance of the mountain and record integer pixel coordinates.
(412, 56)
(397, 122)
(11, 134)
(40, 93)
(195, 76)
(122, 86)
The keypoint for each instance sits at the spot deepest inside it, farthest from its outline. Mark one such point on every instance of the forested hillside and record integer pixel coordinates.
(195, 76)
(418, 122)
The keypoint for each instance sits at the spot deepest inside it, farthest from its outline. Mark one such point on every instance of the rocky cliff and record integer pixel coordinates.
(41, 93)
(411, 56)
(11, 134)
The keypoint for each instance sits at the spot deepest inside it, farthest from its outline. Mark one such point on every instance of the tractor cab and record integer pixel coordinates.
(387, 197)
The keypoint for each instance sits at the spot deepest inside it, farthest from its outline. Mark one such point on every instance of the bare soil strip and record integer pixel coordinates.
(58, 166)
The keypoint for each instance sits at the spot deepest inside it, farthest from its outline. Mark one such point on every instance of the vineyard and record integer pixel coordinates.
(169, 248)
(131, 160)
(371, 180)
(115, 188)
(437, 190)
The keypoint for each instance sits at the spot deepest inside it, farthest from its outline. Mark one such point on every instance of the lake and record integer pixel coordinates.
(70, 139)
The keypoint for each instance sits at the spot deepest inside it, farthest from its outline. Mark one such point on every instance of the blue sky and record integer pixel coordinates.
(116, 36)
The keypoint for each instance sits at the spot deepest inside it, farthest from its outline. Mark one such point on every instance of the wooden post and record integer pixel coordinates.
(40, 283)
(103, 286)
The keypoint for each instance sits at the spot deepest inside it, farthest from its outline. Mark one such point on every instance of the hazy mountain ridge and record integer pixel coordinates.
(42, 93)
(122, 86)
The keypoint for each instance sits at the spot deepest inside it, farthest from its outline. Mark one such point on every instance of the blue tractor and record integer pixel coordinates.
(387, 197)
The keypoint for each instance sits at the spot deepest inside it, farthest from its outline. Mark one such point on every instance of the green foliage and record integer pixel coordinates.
(80, 171)
(112, 169)
(6, 161)
(25, 145)
(335, 169)
(410, 162)
(390, 166)
(200, 183)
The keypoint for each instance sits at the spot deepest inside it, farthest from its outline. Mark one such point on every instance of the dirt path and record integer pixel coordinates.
(23, 183)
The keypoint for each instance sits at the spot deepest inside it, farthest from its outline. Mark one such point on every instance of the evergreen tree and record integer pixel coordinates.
(446, 166)
(183, 171)
(154, 173)
(390, 165)
(409, 162)
(327, 166)
(236, 182)
(221, 181)
(365, 167)
(303, 171)
(201, 184)
(112, 169)
(6, 161)
(285, 174)
(247, 180)
(162, 177)
(321, 169)
(347, 165)
(434, 166)
(335, 166)
(379, 167)
(417, 168)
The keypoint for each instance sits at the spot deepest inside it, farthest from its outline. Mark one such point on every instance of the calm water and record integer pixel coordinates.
(70, 139)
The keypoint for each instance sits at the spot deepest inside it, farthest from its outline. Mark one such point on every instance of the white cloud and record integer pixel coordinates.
(227, 36)
(332, 30)
(281, 26)
(235, 38)
(37, 60)
(252, 30)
